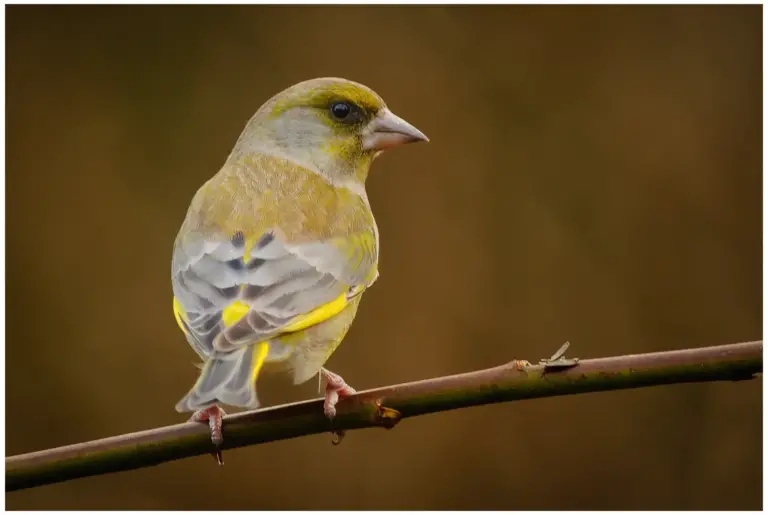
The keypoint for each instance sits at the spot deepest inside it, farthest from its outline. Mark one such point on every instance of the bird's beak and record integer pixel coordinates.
(388, 130)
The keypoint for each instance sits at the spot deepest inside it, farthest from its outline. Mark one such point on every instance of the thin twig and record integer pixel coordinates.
(385, 407)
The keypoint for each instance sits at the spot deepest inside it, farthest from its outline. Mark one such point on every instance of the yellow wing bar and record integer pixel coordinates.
(237, 310)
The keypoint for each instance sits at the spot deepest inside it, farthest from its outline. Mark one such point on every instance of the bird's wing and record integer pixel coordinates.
(231, 290)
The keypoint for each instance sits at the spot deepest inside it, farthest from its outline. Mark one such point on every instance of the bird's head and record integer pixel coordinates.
(332, 125)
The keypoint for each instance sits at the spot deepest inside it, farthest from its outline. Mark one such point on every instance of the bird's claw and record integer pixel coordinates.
(335, 390)
(213, 415)
(338, 436)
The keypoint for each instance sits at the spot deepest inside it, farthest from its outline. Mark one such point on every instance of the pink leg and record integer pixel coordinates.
(335, 389)
(213, 415)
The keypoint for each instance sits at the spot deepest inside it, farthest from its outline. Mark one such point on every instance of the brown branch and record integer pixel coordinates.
(499, 384)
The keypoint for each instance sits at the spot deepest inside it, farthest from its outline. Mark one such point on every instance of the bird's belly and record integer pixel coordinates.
(306, 350)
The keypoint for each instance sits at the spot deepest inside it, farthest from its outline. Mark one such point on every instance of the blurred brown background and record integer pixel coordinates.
(594, 175)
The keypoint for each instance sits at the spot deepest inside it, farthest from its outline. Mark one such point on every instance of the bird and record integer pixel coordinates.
(277, 248)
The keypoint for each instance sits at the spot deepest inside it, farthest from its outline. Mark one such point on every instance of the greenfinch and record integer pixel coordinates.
(277, 248)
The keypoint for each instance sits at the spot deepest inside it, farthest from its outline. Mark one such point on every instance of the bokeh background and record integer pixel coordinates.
(594, 175)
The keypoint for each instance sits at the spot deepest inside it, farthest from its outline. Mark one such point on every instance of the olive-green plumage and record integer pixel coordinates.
(276, 249)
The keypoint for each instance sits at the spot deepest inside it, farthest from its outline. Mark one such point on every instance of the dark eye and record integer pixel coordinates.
(340, 110)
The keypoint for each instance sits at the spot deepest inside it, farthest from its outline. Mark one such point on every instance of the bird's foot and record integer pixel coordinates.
(213, 415)
(335, 389)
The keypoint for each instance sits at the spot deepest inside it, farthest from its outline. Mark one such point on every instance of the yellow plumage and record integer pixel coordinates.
(277, 248)
(237, 310)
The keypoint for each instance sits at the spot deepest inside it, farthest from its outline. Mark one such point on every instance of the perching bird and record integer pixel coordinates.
(276, 249)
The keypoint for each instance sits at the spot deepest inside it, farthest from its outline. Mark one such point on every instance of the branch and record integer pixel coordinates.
(366, 409)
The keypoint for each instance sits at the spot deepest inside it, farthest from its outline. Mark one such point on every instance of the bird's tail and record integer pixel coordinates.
(228, 379)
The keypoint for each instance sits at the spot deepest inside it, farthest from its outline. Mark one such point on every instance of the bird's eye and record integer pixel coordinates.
(340, 110)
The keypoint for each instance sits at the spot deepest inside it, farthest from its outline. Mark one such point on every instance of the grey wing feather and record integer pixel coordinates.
(276, 281)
